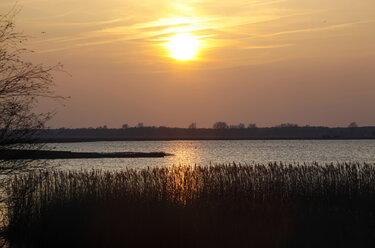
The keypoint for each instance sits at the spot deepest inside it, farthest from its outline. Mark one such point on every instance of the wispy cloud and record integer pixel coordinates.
(268, 46)
(316, 29)
(229, 30)
(49, 17)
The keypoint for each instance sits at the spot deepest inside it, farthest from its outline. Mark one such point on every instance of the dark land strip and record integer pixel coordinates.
(164, 133)
(9, 154)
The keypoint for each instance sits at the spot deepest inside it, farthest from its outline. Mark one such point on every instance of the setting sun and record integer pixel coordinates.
(183, 46)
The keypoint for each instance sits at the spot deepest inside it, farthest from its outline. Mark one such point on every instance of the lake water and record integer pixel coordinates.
(219, 151)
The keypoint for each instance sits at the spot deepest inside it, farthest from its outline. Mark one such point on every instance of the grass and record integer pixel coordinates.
(272, 205)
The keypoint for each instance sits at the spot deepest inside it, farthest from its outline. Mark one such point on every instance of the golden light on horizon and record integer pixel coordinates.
(183, 46)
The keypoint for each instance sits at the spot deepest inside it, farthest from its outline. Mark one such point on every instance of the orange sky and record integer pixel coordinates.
(256, 61)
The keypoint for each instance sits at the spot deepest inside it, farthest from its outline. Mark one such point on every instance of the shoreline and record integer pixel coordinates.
(14, 154)
(82, 140)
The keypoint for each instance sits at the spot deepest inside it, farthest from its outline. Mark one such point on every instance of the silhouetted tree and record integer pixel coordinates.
(21, 84)
(239, 126)
(352, 125)
(193, 125)
(140, 125)
(220, 125)
(252, 125)
(286, 125)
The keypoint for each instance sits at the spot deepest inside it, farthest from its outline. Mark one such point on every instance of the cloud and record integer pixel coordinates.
(268, 46)
(228, 29)
(85, 24)
(316, 29)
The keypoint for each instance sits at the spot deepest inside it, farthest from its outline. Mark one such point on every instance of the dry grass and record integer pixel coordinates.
(273, 205)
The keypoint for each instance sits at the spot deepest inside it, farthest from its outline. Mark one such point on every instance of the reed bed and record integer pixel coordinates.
(234, 205)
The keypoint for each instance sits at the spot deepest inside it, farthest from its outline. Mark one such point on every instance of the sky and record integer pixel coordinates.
(171, 63)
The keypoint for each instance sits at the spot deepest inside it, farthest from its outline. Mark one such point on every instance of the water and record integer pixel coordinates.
(212, 152)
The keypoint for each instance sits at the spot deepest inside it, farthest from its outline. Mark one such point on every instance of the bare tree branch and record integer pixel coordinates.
(21, 84)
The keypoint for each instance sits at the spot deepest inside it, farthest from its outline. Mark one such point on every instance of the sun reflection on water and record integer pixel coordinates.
(184, 153)
(182, 182)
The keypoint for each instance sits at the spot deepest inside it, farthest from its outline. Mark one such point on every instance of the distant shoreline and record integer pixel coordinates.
(169, 134)
(182, 139)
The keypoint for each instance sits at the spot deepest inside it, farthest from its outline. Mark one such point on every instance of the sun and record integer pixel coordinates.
(183, 46)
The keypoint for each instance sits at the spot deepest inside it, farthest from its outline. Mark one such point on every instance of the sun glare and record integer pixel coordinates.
(183, 46)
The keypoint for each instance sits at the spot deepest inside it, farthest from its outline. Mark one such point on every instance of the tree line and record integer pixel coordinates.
(216, 125)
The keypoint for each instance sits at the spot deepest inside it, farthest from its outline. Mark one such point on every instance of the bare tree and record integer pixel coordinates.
(220, 125)
(140, 125)
(287, 125)
(22, 83)
(193, 125)
(252, 125)
(353, 125)
(239, 126)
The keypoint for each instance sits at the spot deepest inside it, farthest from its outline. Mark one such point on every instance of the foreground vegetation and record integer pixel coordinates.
(273, 205)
